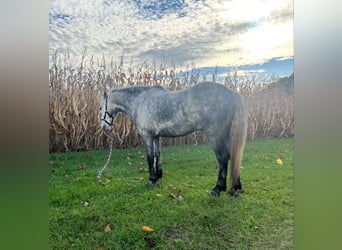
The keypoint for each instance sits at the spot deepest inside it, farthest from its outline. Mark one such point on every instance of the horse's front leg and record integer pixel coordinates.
(159, 170)
(150, 159)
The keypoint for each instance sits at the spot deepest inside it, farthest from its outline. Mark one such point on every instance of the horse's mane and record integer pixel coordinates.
(135, 90)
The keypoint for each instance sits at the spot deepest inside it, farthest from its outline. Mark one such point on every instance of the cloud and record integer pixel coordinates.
(205, 32)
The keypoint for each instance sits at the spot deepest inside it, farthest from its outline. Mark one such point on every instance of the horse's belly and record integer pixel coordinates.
(170, 129)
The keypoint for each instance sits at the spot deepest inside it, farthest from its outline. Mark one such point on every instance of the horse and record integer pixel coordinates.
(207, 106)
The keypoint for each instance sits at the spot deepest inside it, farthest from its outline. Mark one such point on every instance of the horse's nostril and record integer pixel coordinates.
(105, 128)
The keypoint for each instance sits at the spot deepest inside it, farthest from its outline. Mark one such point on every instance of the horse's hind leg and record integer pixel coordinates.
(222, 157)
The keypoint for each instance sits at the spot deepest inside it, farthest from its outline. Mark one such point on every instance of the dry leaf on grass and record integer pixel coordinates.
(149, 241)
(189, 185)
(107, 181)
(176, 197)
(80, 166)
(107, 228)
(140, 169)
(136, 179)
(147, 229)
(180, 198)
(223, 226)
(173, 196)
(279, 161)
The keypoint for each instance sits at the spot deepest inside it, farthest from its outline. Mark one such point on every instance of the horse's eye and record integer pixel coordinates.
(100, 108)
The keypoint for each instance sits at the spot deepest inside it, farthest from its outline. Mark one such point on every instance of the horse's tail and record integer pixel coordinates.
(238, 133)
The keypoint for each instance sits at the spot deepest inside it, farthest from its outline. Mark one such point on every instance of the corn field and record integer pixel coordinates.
(74, 94)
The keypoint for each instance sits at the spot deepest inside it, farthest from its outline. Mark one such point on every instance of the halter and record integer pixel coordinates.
(109, 114)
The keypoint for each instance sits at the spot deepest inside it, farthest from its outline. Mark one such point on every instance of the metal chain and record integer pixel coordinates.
(106, 164)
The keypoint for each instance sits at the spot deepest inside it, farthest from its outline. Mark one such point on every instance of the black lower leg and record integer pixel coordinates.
(159, 168)
(159, 171)
(236, 188)
(153, 177)
(222, 157)
(221, 181)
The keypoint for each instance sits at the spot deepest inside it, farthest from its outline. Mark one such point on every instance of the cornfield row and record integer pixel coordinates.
(74, 100)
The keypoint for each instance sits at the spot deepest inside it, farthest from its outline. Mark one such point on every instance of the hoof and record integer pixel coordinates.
(235, 192)
(217, 189)
(149, 183)
(215, 193)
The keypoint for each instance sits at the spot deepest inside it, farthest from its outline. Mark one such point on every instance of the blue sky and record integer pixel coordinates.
(254, 35)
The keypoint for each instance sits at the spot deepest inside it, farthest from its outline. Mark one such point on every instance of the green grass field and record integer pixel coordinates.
(86, 215)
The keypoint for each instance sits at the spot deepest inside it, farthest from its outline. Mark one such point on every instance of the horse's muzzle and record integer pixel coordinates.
(106, 128)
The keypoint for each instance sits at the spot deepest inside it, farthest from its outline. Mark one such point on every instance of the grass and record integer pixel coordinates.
(260, 218)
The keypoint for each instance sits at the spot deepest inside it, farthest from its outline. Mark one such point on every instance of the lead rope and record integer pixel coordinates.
(106, 164)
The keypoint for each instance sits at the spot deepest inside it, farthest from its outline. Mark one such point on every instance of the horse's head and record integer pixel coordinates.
(107, 117)
(109, 108)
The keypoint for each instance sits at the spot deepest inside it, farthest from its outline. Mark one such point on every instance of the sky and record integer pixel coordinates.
(248, 35)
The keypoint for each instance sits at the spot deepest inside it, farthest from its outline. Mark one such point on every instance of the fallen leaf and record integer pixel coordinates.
(158, 195)
(172, 187)
(173, 196)
(147, 229)
(279, 161)
(79, 167)
(189, 185)
(136, 179)
(180, 198)
(149, 241)
(222, 226)
(176, 197)
(107, 228)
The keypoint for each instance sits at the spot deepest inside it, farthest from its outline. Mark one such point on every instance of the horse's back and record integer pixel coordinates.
(211, 89)
(214, 97)
(215, 103)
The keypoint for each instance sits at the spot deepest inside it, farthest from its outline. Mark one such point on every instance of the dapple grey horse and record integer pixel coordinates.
(206, 106)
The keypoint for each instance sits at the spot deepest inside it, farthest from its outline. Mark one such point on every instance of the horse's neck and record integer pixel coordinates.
(128, 98)
(124, 100)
